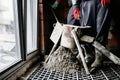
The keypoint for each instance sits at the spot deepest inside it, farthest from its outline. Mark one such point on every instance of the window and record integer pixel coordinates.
(31, 25)
(9, 34)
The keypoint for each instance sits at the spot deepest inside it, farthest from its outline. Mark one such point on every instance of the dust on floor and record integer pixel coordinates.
(63, 59)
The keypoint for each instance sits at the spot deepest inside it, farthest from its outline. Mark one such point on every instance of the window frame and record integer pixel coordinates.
(33, 45)
(21, 34)
(22, 19)
(17, 23)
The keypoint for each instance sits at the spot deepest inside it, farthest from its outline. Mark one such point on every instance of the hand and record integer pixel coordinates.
(105, 2)
(76, 14)
(56, 3)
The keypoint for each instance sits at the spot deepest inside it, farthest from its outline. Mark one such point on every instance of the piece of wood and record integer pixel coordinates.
(57, 32)
(87, 38)
(73, 26)
(107, 53)
(66, 39)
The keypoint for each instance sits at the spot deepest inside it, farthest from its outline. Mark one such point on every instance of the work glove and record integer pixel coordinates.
(76, 13)
(56, 3)
(105, 2)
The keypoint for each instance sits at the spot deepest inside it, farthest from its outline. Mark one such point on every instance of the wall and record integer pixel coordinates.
(47, 20)
(115, 24)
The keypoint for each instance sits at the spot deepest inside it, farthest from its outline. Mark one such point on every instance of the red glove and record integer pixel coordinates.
(105, 2)
(76, 14)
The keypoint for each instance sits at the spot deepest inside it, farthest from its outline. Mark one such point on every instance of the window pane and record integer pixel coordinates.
(31, 25)
(9, 34)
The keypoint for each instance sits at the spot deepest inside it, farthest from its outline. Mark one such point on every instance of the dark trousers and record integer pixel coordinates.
(95, 15)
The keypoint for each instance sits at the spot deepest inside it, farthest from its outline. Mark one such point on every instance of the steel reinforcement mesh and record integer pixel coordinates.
(111, 72)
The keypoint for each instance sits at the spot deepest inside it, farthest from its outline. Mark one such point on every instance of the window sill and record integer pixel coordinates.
(15, 68)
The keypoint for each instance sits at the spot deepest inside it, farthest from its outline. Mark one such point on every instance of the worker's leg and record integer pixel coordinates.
(103, 24)
(88, 18)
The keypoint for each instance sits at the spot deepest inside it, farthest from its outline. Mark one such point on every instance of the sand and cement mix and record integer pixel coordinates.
(63, 59)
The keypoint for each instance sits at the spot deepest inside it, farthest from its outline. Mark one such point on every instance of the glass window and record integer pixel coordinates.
(31, 25)
(9, 34)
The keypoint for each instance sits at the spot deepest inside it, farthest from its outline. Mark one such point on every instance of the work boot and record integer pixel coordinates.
(88, 60)
(98, 61)
(89, 54)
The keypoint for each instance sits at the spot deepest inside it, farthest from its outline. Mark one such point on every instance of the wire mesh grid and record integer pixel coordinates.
(111, 72)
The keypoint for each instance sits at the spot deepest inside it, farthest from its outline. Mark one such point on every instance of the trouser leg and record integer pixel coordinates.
(87, 18)
(103, 24)
(97, 16)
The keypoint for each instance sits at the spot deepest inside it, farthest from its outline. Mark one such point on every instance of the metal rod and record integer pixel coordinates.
(53, 49)
(80, 51)
(54, 14)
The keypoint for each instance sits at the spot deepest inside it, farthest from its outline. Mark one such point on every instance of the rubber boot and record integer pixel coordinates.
(89, 55)
(98, 61)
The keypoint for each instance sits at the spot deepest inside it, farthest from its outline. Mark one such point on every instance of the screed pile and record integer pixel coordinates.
(64, 60)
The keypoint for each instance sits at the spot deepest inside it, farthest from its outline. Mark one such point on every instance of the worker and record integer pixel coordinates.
(94, 13)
